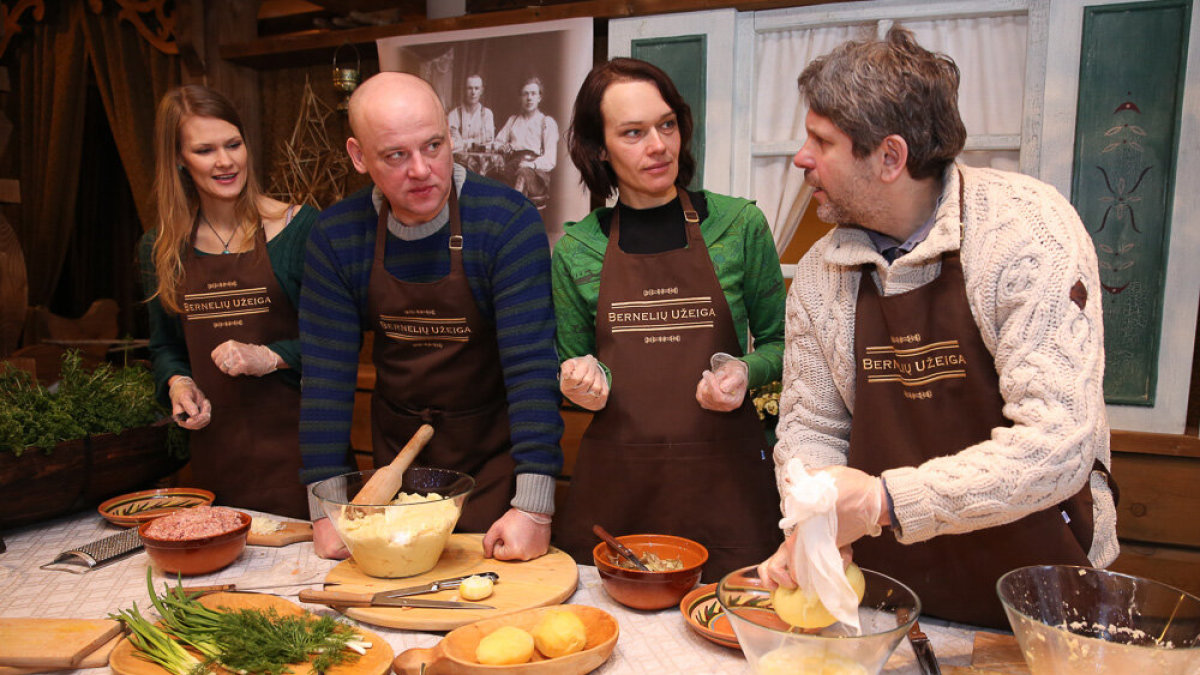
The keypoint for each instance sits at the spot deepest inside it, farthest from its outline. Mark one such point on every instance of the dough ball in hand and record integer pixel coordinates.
(803, 609)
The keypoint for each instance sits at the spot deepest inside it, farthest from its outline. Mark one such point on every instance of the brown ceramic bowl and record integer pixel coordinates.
(196, 556)
(650, 590)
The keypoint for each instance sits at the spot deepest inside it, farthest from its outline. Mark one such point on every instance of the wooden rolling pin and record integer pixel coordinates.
(385, 483)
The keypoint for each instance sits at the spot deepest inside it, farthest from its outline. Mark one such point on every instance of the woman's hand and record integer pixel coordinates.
(187, 398)
(583, 382)
(238, 358)
(723, 388)
(326, 542)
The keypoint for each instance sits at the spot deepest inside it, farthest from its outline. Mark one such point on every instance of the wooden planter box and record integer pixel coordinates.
(80, 473)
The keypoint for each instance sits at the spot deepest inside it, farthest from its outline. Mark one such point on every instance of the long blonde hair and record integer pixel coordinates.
(177, 199)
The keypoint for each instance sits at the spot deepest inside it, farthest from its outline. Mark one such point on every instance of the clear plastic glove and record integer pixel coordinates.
(518, 535)
(583, 382)
(186, 398)
(239, 358)
(861, 503)
(723, 388)
(326, 542)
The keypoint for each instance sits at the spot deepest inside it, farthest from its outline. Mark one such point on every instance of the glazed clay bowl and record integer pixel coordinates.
(456, 652)
(650, 590)
(199, 555)
(1080, 620)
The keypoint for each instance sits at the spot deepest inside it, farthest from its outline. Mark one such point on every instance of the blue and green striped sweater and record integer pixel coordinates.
(507, 262)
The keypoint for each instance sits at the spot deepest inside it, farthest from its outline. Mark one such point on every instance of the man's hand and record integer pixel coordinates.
(239, 358)
(723, 388)
(583, 382)
(187, 398)
(326, 541)
(777, 570)
(861, 504)
(517, 537)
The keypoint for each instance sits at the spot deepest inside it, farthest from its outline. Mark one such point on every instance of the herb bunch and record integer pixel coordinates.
(104, 400)
(243, 641)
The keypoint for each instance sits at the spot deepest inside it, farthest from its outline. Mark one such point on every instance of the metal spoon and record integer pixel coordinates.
(619, 547)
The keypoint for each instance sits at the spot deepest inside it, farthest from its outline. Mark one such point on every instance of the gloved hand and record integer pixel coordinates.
(777, 570)
(186, 397)
(860, 504)
(583, 382)
(239, 358)
(723, 388)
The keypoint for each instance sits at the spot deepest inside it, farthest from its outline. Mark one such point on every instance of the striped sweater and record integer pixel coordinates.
(507, 263)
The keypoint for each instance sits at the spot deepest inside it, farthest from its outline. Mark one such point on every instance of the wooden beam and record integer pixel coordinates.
(317, 47)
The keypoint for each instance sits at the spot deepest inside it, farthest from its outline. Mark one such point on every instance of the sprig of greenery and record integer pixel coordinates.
(103, 400)
(243, 641)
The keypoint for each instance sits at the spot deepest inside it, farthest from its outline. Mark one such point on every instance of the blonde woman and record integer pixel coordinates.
(222, 272)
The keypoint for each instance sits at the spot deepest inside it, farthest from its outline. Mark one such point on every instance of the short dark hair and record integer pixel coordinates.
(871, 89)
(585, 137)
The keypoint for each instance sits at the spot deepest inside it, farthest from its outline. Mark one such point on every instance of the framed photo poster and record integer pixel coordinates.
(508, 93)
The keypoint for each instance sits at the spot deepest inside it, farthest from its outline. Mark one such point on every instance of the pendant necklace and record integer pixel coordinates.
(224, 242)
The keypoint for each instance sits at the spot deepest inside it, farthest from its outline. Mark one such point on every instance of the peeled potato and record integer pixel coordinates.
(559, 633)
(505, 646)
(803, 609)
(475, 587)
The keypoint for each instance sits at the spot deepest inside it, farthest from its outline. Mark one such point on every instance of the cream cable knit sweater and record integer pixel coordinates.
(1023, 250)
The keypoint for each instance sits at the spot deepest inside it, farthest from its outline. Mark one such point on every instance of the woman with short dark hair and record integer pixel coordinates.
(656, 300)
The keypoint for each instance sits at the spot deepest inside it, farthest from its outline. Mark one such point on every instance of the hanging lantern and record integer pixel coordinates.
(345, 78)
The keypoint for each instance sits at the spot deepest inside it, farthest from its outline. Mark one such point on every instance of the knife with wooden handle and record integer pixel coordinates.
(349, 599)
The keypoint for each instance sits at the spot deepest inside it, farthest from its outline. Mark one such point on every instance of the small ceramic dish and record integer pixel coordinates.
(706, 616)
(136, 508)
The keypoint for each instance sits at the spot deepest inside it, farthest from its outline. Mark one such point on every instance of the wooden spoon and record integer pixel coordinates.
(385, 483)
(619, 547)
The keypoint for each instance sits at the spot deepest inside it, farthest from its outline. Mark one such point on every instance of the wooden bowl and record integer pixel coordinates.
(196, 556)
(455, 654)
(650, 590)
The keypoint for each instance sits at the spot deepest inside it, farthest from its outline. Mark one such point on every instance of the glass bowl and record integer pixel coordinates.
(1073, 620)
(650, 590)
(887, 610)
(402, 538)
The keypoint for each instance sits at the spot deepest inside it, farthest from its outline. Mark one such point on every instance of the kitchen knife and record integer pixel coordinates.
(921, 646)
(348, 599)
(435, 586)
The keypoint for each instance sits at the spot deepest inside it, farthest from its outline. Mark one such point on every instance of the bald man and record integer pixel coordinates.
(451, 271)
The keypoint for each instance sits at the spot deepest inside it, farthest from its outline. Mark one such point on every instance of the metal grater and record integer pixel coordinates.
(97, 553)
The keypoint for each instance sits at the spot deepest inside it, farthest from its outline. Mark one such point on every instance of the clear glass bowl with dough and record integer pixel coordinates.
(402, 538)
(1080, 620)
(772, 646)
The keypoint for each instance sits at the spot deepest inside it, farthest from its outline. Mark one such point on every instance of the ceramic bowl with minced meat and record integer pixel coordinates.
(195, 541)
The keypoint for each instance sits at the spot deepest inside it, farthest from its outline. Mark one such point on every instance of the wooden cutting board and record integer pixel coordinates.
(290, 533)
(52, 643)
(377, 660)
(97, 658)
(547, 580)
(993, 654)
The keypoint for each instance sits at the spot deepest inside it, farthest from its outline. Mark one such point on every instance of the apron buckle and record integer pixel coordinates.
(456, 242)
(691, 216)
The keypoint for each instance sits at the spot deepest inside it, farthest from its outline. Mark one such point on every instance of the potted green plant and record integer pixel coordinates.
(91, 438)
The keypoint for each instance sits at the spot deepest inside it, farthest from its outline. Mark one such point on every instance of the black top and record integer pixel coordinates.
(656, 229)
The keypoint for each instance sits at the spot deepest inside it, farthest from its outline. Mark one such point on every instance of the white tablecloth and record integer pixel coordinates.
(650, 642)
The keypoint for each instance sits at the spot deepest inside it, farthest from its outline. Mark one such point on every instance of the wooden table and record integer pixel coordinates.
(651, 642)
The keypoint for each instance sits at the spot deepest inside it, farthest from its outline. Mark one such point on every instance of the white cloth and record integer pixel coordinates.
(1022, 250)
(537, 133)
(810, 506)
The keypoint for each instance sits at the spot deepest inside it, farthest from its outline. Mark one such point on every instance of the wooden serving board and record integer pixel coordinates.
(993, 654)
(290, 533)
(97, 658)
(377, 660)
(548, 580)
(52, 643)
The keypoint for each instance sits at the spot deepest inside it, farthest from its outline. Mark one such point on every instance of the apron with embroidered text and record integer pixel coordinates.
(249, 454)
(437, 362)
(653, 460)
(927, 387)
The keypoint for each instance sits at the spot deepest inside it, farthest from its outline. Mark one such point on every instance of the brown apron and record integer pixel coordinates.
(249, 455)
(437, 362)
(653, 460)
(926, 387)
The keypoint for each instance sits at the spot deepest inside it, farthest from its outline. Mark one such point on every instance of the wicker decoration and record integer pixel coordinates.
(310, 169)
